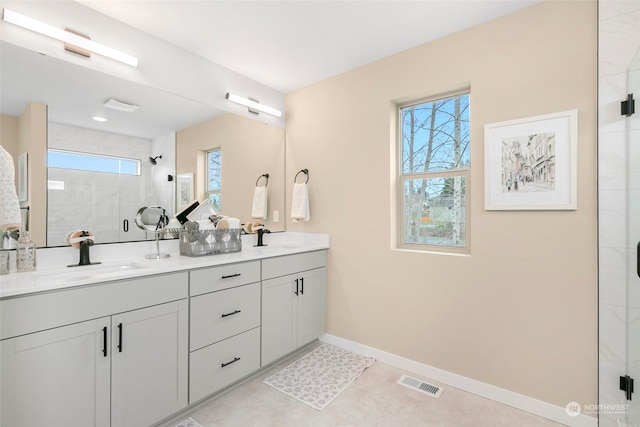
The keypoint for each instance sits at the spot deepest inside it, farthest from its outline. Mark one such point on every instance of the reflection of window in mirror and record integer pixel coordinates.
(214, 179)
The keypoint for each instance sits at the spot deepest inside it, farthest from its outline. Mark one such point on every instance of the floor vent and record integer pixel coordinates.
(420, 386)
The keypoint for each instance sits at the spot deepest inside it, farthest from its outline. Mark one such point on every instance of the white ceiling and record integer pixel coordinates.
(281, 45)
(290, 44)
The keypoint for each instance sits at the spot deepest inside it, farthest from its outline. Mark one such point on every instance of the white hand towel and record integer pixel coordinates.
(9, 206)
(259, 210)
(300, 203)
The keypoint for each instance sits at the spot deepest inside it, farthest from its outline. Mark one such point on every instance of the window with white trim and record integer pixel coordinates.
(62, 159)
(214, 179)
(434, 172)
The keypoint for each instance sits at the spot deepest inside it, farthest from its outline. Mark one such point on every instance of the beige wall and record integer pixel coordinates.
(248, 150)
(9, 139)
(520, 313)
(28, 134)
(9, 136)
(32, 126)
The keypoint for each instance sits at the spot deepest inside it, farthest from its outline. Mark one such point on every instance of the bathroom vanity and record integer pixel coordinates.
(132, 347)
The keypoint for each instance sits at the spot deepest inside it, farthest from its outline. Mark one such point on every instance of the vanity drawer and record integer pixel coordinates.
(223, 277)
(219, 315)
(223, 363)
(47, 310)
(289, 264)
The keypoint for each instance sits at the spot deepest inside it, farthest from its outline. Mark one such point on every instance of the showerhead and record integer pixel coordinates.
(153, 161)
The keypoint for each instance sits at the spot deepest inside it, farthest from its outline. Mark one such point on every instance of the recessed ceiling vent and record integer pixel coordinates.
(114, 104)
(421, 386)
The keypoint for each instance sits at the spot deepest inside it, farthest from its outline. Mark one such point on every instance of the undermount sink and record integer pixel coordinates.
(88, 272)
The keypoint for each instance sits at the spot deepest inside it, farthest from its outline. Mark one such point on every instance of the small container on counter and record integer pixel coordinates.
(25, 253)
(5, 256)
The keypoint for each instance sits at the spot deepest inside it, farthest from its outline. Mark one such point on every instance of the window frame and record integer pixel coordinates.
(218, 191)
(136, 163)
(402, 177)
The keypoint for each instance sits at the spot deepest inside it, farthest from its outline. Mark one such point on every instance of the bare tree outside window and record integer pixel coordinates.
(214, 179)
(434, 172)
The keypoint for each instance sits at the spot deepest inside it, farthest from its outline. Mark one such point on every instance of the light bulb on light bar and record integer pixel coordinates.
(253, 105)
(67, 37)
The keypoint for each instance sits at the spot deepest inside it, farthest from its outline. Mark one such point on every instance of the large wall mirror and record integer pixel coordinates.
(157, 148)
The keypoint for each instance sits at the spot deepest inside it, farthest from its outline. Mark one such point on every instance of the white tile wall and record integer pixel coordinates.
(118, 197)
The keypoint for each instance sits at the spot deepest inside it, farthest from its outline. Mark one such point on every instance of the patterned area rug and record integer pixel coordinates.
(320, 376)
(189, 422)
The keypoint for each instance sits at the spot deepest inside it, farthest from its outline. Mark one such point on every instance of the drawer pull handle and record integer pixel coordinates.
(231, 275)
(231, 314)
(235, 359)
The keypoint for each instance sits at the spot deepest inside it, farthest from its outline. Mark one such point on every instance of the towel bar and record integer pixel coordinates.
(304, 171)
(265, 176)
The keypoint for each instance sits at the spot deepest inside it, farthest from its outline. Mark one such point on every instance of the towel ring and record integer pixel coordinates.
(265, 176)
(304, 171)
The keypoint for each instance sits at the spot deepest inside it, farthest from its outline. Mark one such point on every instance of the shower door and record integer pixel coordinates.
(633, 248)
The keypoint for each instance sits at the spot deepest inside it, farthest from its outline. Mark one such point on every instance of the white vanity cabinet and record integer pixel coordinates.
(113, 354)
(224, 326)
(293, 302)
(56, 377)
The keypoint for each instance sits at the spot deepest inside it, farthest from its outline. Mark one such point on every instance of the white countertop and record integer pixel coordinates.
(127, 260)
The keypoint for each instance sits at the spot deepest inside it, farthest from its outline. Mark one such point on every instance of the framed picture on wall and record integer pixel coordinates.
(184, 189)
(23, 176)
(531, 163)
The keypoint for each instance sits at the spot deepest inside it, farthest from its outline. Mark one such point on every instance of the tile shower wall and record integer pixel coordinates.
(619, 40)
(94, 201)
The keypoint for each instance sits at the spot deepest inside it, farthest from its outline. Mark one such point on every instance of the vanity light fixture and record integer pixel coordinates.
(253, 105)
(67, 37)
(115, 104)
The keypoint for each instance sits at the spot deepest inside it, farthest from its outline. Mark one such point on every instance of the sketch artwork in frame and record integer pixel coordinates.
(184, 187)
(531, 163)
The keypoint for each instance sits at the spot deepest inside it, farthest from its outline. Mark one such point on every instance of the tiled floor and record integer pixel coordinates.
(374, 399)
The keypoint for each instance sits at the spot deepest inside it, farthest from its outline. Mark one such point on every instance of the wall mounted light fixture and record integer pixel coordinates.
(253, 105)
(67, 37)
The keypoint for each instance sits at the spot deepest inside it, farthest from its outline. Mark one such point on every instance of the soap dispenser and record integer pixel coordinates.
(25, 252)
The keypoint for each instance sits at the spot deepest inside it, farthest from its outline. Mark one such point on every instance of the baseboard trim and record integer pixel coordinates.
(488, 391)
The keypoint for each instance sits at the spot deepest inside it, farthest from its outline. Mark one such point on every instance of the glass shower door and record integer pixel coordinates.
(633, 248)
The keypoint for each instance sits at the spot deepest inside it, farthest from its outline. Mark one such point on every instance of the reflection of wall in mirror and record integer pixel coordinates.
(248, 149)
(27, 134)
(185, 190)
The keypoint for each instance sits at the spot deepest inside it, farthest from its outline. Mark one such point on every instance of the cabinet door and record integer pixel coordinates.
(59, 377)
(311, 305)
(279, 314)
(149, 364)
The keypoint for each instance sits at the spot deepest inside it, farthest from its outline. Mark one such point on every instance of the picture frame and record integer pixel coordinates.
(184, 190)
(23, 178)
(531, 163)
